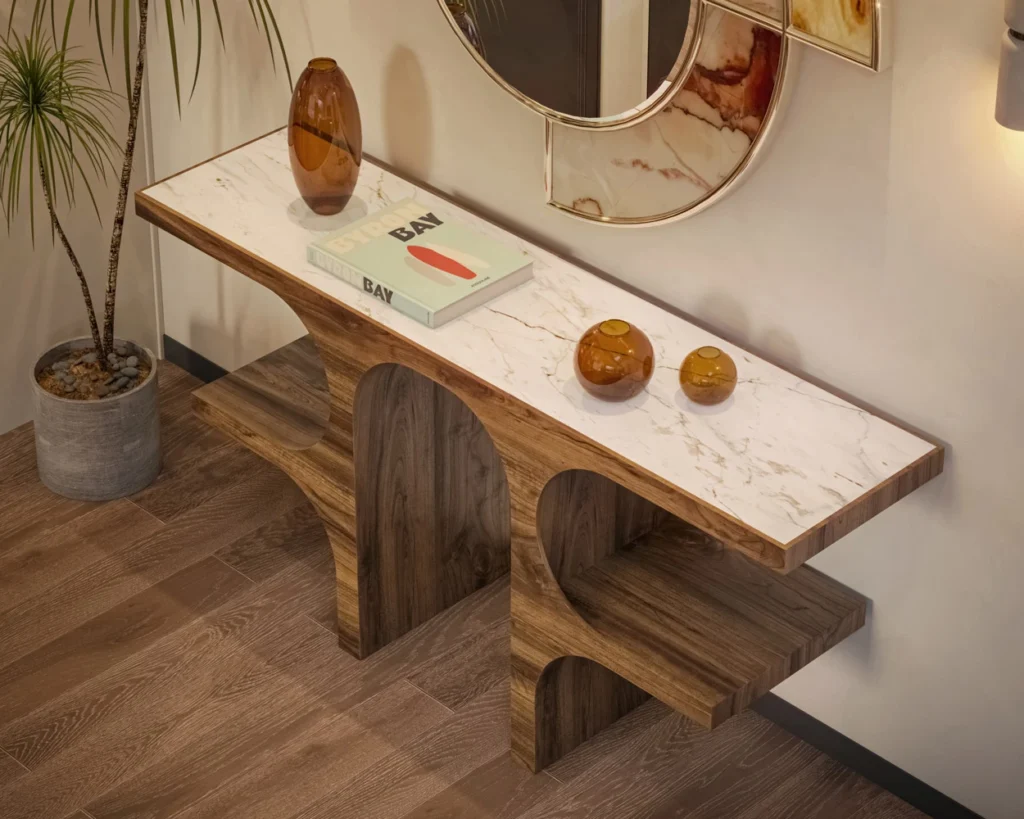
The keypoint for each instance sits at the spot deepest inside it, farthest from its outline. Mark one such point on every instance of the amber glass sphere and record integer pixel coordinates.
(708, 376)
(614, 360)
(325, 137)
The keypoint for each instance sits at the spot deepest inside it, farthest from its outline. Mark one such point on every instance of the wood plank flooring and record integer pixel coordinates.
(171, 655)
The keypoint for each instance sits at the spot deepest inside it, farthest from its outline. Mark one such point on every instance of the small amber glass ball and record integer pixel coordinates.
(708, 376)
(614, 360)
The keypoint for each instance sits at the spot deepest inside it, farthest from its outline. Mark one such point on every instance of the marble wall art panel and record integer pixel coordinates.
(689, 152)
(849, 25)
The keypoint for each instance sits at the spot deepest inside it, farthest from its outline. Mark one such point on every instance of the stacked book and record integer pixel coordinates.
(421, 262)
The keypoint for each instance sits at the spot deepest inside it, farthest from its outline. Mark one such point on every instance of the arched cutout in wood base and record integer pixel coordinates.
(432, 502)
(408, 485)
(576, 699)
(656, 606)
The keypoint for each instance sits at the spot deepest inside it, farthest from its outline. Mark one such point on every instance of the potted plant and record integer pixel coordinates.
(96, 404)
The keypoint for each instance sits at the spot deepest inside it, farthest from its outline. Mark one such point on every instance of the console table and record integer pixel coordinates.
(655, 547)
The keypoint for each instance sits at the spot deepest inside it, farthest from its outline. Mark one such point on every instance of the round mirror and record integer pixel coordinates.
(588, 63)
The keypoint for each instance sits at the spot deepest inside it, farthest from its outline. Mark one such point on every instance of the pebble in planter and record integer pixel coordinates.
(97, 428)
(97, 419)
(80, 376)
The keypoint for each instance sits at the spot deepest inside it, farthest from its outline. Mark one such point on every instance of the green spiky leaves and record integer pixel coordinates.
(111, 21)
(55, 122)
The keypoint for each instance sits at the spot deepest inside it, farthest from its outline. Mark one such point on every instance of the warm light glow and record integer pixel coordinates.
(1011, 144)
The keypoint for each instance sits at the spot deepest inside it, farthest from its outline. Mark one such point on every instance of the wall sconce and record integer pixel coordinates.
(1010, 97)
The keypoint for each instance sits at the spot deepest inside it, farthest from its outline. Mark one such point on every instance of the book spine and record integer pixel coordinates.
(357, 278)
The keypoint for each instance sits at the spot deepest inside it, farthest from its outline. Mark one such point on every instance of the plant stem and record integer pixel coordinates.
(93, 326)
(135, 106)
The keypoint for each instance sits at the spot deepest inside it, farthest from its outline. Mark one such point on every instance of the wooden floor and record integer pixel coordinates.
(174, 655)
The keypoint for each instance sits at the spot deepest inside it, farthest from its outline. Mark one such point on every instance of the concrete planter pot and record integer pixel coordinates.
(97, 450)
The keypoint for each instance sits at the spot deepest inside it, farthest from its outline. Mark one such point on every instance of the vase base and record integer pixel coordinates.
(327, 205)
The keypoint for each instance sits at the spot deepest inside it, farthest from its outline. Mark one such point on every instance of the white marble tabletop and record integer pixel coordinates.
(780, 456)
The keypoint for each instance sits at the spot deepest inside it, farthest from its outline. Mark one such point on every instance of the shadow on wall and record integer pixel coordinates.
(406, 114)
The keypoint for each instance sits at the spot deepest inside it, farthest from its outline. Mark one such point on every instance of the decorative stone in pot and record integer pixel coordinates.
(104, 446)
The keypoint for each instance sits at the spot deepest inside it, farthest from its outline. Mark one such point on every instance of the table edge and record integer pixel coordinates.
(793, 553)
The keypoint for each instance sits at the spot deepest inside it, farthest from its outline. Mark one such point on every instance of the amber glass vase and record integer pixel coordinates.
(325, 137)
(708, 376)
(614, 360)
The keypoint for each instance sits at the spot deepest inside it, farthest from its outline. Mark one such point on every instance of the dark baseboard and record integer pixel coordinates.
(191, 362)
(827, 740)
(858, 758)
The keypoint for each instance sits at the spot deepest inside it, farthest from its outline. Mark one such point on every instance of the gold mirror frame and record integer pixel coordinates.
(610, 187)
(737, 164)
(647, 109)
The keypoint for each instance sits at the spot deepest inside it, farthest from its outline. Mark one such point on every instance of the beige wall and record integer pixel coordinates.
(41, 302)
(878, 247)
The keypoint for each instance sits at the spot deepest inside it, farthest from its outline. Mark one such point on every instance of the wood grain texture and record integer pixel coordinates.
(320, 682)
(678, 607)
(672, 756)
(584, 518)
(416, 504)
(257, 722)
(886, 806)
(143, 711)
(185, 486)
(821, 788)
(322, 758)
(137, 565)
(624, 740)
(431, 503)
(10, 770)
(429, 764)
(498, 789)
(17, 454)
(728, 780)
(427, 522)
(659, 607)
(187, 439)
(32, 564)
(470, 668)
(114, 635)
(576, 699)
(296, 537)
(282, 397)
(401, 468)
(249, 709)
(29, 510)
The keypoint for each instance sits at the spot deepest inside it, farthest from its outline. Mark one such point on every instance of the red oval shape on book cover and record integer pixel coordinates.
(441, 262)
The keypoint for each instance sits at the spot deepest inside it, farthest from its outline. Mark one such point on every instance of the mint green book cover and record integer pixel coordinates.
(421, 261)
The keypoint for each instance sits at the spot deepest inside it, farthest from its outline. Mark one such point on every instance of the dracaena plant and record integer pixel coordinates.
(55, 118)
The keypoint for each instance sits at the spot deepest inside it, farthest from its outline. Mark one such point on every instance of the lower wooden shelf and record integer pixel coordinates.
(405, 479)
(678, 606)
(440, 461)
(673, 612)
(282, 398)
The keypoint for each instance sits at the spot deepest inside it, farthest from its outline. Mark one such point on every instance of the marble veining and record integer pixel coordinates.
(848, 24)
(781, 455)
(699, 144)
(690, 150)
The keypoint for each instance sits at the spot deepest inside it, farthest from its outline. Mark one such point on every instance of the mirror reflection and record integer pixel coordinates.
(583, 58)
